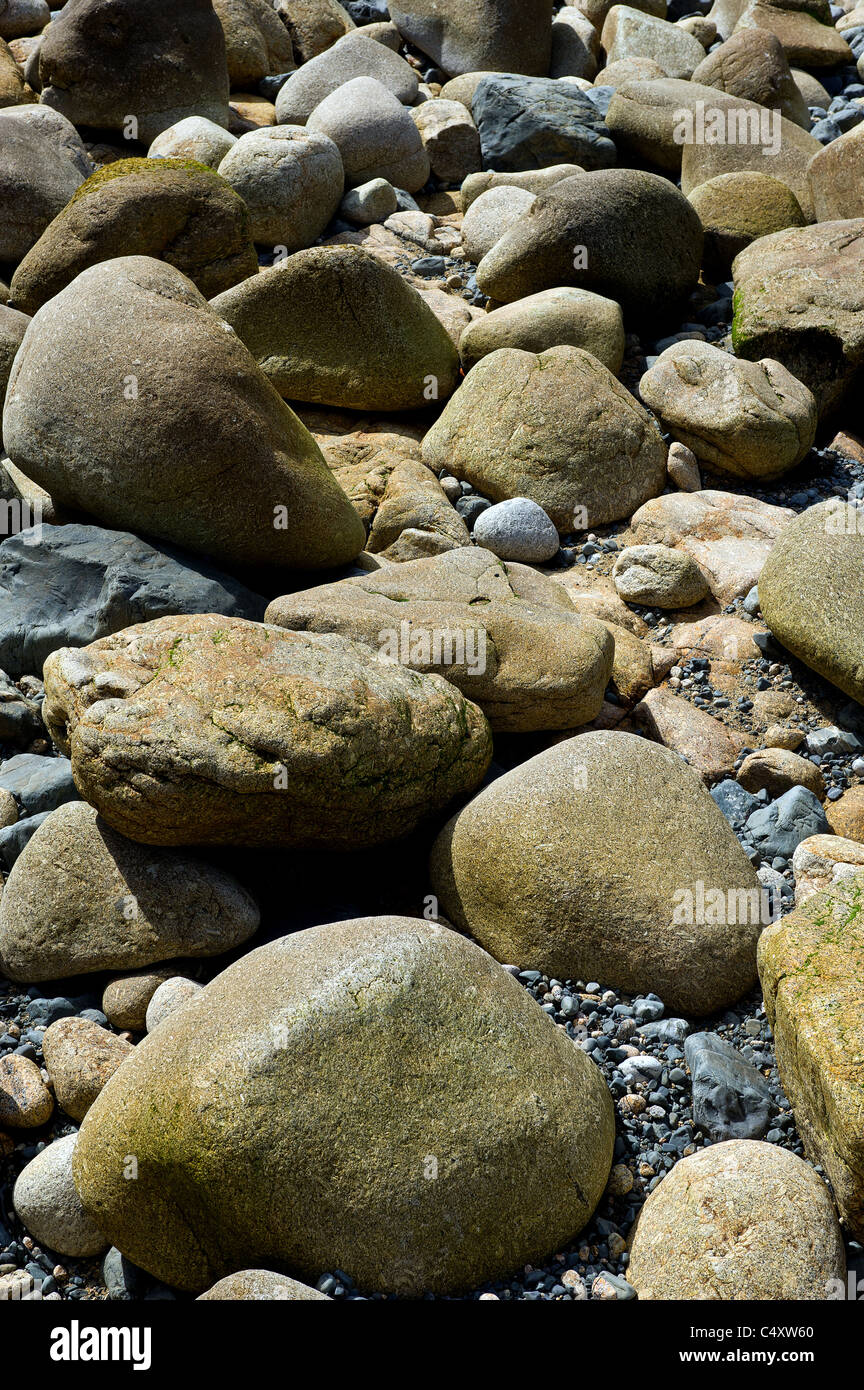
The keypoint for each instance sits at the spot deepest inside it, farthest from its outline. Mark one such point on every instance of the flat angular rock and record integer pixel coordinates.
(336, 747)
(707, 745)
(532, 122)
(82, 582)
(729, 536)
(731, 1099)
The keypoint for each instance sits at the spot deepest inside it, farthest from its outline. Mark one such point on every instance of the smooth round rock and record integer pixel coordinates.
(80, 1058)
(374, 134)
(562, 316)
(658, 576)
(490, 216)
(261, 1285)
(193, 138)
(167, 997)
(740, 1220)
(234, 1110)
(125, 1000)
(25, 1101)
(291, 179)
(47, 1202)
(517, 530)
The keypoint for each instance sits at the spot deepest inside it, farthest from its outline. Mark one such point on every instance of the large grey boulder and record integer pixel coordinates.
(486, 35)
(68, 585)
(291, 179)
(235, 1110)
(42, 163)
(352, 56)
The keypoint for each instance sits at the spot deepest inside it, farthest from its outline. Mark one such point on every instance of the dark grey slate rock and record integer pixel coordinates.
(778, 829)
(532, 122)
(20, 717)
(38, 784)
(735, 802)
(731, 1100)
(77, 583)
(13, 838)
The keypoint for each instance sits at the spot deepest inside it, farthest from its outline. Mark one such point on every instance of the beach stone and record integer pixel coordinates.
(374, 134)
(810, 967)
(81, 898)
(374, 201)
(799, 296)
(490, 216)
(807, 40)
(193, 138)
(682, 467)
(450, 139)
(77, 583)
(38, 784)
(257, 43)
(291, 180)
(414, 516)
(172, 210)
(822, 861)
(778, 770)
(575, 44)
(577, 863)
(737, 209)
(13, 89)
(778, 829)
(835, 175)
(197, 420)
(42, 163)
(261, 1285)
(80, 1058)
(47, 1202)
(13, 326)
(125, 999)
(658, 576)
(629, 32)
(315, 25)
(531, 122)
(25, 1101)
(563, 316)
(845, 816)
(501, 35)
(804, 589)
(728, 535)
(170, 995)
(642, 243)
(98, 64)
(739, 1220)
(811, 89)
(21, 17)
(529, 1131)
(708, 746)
(241, 709)
(531, 180)
(750, 419)
(592, 446)
(517, 530)
(731, 1099)
(530, 661)
(335, 325)
(351, 57)
(751, 63)
(633, 69)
